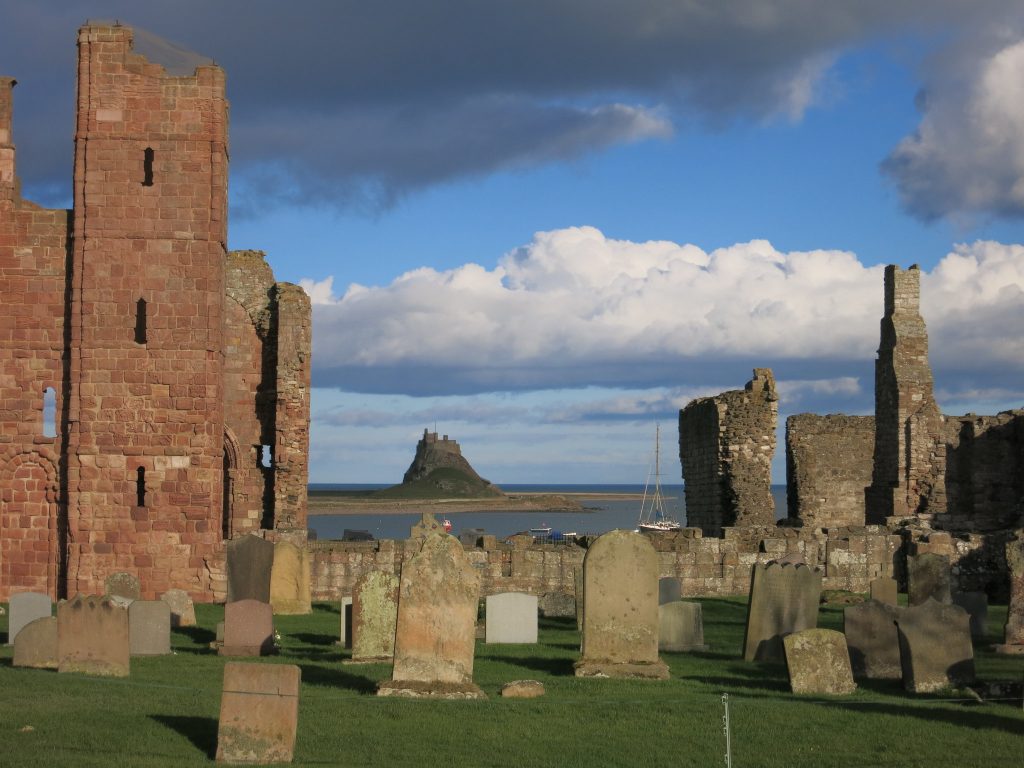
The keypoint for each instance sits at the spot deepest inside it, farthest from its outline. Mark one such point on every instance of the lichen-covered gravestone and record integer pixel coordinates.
(670, 590)
(884, 590)
(92, 637)
(1013, 630)
(259, 713)
(435, 638)
(26, 607)
(620, 620)
(783, 599)
(183, 611)
(872, 640)
(425, 526)
(250, 560)
(928, 577)
(36, 645)
(123, 586)
(149, 628)
(511, 618)
(680, 627)
(289, 580)
(935, 647)
(374, 617)
(818, 663)
(248, 629)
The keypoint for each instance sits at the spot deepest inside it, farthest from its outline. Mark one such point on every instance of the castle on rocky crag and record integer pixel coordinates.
(154, 387)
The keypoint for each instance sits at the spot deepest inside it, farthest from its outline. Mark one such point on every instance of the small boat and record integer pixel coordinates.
(542, 530)
(653, 517)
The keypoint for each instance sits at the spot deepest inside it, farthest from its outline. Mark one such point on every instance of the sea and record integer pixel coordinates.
(599, 515)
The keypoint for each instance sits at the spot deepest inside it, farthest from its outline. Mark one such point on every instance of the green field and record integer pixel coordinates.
(165, 714)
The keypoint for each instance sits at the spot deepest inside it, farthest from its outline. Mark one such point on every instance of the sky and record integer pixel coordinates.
(543, 227)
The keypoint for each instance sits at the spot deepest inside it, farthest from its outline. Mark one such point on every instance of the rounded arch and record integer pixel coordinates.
(232, 454)
(30, 514)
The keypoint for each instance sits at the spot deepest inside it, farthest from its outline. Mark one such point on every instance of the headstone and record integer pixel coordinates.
(680, 627)
(935, 647)
(928, 577)
(437, 608)
(872, 640)
(218, 632)
(792, 558)
(183, 611)
(511, 618)
(289, 580)
(26, 607)
(346, 622)
(620, 620)
(1013, 630)
(818, 663)
(885, 590)
(259, 713)
(123, 585)
(976, 605)
(248, 629)
(374, 617)
(36, 645)
(556, 604)
(522, 689)
(149, 628)
(92, 637)
(250, 560)
(577, 577)
(783, 599)
(426, 525)
(670, 590)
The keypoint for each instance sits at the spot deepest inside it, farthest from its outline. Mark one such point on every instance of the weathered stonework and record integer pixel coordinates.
(170, 362)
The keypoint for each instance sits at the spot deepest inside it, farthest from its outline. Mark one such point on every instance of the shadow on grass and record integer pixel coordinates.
(557, 667)
(313, 638)
(337, 678)
(197, 635)
(976, 717)
(201, 731)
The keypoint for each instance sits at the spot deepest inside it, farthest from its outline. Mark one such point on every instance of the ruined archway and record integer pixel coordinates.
(231, 456)
(31, 529)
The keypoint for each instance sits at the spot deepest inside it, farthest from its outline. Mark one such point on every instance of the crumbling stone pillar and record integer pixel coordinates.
(291, 447)
(7, 175)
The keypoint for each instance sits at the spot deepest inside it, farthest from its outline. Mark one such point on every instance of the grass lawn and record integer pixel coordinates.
(165, 714)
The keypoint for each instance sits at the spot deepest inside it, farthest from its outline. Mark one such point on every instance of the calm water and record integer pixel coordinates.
(601, 515)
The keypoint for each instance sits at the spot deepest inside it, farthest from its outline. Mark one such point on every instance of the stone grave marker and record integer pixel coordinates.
(248, 629)
(346, 622)
(289, 580)
(577, 578)
(511, 617)
(183, 611)
(935, 647)
(620, 619)
(123, 585)
(149, 628)
(976, 605)
(670, 590)
(783, 599)
(437, 609)
(26, 607)
(36, 645)
(680, 627)
(818, 663)
(884, 590)
(92, 637)
(928, 577)
(426, 525)
(1013, 630)
(873, 640)
(250, 560)
(259, 713)
(374, 618)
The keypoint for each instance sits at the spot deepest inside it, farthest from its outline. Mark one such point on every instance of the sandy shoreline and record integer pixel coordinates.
(514, 502)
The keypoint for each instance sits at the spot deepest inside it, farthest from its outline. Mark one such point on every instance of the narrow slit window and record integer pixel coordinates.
(49, 412)
(140, 487)
(266, 457)
(147, 167)
(140, 321)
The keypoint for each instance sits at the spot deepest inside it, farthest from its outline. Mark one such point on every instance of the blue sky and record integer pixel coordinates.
(545, 226)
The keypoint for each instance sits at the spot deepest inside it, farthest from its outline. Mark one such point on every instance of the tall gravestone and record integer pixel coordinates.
(783, 599)
(511, 617)
(259, 713)
(149, 628)
(289, 580)
(873, 640)
(183, 610)
(250, 561)
(345, 638)
(577, 580)
(1013, 630)
(92, 637)
(26, 607)
(670, 590)
(884, 590)
(248, 629)
(680, 627)
(976, 605)
(36, 645)
(818, 663)
(620, 620)
(425, 526)
(435, 638)
(928, 577)
(935, 647)
(374, 617)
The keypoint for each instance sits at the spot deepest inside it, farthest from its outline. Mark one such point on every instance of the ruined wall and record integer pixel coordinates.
(828, 468)
(726, 445)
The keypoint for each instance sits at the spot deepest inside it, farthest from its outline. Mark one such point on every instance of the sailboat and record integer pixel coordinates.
(653, 517)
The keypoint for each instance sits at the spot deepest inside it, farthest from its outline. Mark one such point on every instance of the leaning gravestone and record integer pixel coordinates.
(976, 605)
(26, 607)
(872, 640)
(1013, 631)
(670, 590)
(374, 618)
(928, 577)
(884, 590)
(511, 617)
(250, 560)
(680, 627)
(620, 620)
(935, 647)
(149, 628)
(289, 580)
(183, 611)
(123, 586)
(259, 713)
(783, 599)
(248, 629)
(92, 637)
(36, 645)
(435, 637)
(818, 663)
